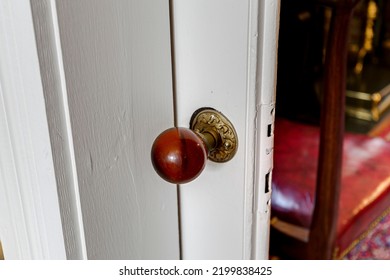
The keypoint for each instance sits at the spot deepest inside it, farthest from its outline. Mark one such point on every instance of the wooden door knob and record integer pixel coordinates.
(179, 154)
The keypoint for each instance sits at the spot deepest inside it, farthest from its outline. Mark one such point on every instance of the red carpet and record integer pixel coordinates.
(375, 246)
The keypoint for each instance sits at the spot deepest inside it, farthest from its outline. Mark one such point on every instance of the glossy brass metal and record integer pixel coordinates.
(217, 132)
(1, 252)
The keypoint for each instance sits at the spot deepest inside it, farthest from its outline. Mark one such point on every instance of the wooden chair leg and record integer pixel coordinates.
(323, 229)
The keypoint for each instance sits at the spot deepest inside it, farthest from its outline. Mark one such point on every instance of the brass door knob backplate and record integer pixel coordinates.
(209, 121)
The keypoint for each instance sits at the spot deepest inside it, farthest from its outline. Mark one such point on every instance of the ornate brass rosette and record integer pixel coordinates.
(209, 121)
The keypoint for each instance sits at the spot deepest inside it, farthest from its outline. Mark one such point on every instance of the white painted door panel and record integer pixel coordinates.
(219, 51)
(211, 71)
(117, 65)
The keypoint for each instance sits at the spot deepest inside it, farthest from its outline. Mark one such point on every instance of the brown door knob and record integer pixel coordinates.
(179, 154)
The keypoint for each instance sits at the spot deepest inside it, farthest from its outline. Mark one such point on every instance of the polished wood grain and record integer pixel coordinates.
(324, 223)
(178, 155)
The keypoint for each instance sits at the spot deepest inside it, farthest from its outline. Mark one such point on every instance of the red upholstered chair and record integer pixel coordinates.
(364, 194)
(324, 200)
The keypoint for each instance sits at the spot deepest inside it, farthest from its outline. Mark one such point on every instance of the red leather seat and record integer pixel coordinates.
(365, 183)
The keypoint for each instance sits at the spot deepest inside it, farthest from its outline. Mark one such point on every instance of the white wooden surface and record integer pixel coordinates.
(264, 83)
(117, 66)
(30, 225)
(225, 53)
(106, 77)
(58, 117)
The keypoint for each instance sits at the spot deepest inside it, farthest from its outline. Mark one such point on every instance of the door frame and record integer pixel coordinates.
(32, 226)
(262, 73)
(30, 222)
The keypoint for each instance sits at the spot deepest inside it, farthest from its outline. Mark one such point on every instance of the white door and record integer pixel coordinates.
(225, 56)
(114, 89)
(117, 73)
